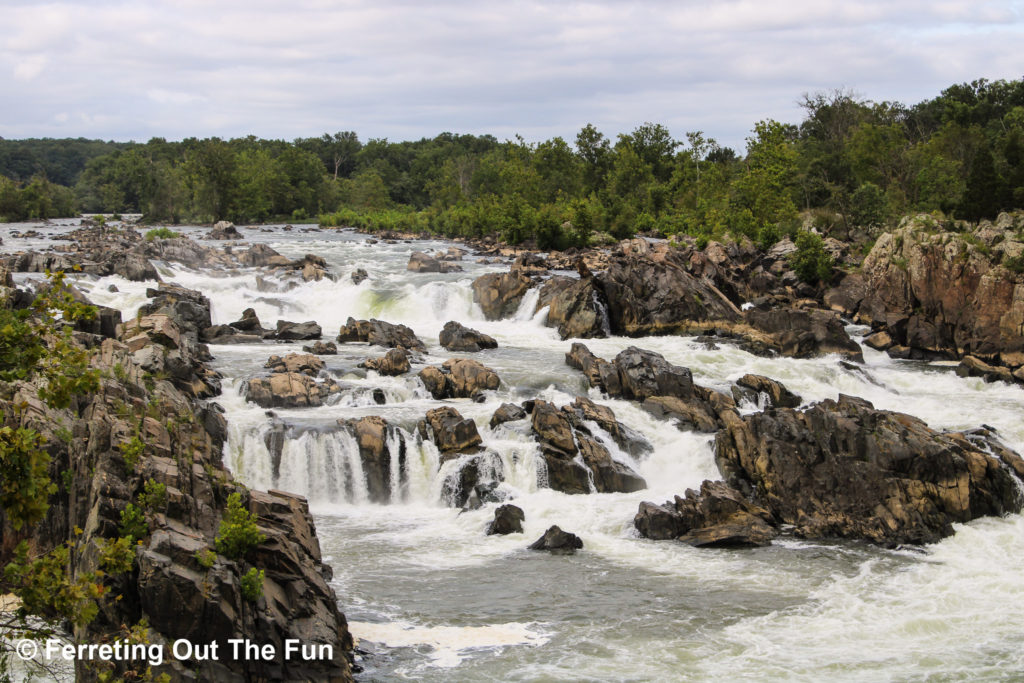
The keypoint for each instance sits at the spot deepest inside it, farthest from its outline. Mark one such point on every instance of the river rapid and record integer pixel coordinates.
(429, 597)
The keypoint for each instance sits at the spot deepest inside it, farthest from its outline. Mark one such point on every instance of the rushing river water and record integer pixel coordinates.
(430, 597)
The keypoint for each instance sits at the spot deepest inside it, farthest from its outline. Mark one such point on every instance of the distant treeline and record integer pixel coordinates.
(849, 159)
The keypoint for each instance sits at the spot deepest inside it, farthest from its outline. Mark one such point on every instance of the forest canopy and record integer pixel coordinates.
(861, 161)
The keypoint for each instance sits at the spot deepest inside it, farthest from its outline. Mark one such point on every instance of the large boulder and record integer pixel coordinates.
(459, 378)
(452, 433)
(843, 468)
(380, 333)
(394, 362)
(288, 390)
(375, 437)
(804, 333)
(457, 337)
(223, 230)
(575, 460)
(499, 294)
(420, 262)
(580, 311)
(557, 542)
(291, 331)
(508, 519)
(716, 516)
(305, 363)
(752, 387)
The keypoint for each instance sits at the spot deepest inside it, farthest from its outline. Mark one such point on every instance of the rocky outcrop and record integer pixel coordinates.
(456, 337)
(717, 516)
(420, 262)
(576, 461)
(843, 468)
(375, 438)
(322, 349)
(223, 230)
(459, 378)
(289, 390)
(580, 310)
(506, 412)
(752, 387)
(295, 362)
(936, 293)
(380, 333)
(394, 362)
(451, 432)
(557, 542)
(290, 331)
(358, 275)
(802, 332)
(508, 519)
(499, 294)
(177, 586)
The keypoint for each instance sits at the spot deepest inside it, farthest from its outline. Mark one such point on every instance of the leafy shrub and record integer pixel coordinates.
(25, 475)
(238, 532)
(133, 523)
(131, 451)
(162, 234)
(1015, 264)
(154, 496)
(810, 260)
(206, 558)
(116, 555)
(252, 584)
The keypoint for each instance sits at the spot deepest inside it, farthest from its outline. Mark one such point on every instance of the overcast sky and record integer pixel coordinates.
(132, 70)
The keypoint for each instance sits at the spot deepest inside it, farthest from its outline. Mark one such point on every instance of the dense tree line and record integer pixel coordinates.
(849, 160)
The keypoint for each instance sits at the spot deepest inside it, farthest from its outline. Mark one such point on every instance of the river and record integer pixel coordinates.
(430, 597)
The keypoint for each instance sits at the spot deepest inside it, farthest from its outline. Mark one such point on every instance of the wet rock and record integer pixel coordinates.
(506, 412)
(459, 378)
(717, 516)
(474, 480)
(642, 374)
(305, 363)
(249, 322)
(562, 439)
(508, 519)
(394, 362)
(188, 308)
(580, 311)
(975, 367)
(688, 415)
(322, 349)
(652, 294)
(499, 294)
(223, 230)
(420, 262)
(456, 337)
(358, 275)
(803, 333)
(262, 256)
(530, 264)
(290, 331)
(380, 333)
(450, 431)
(557, 542)
(843, 468)
(373, 435)
(288, 390)
(752, 386)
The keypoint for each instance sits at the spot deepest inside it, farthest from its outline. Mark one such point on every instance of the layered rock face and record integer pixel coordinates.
(177, 583)
(842, 468)
(662, 289)
(929, 293)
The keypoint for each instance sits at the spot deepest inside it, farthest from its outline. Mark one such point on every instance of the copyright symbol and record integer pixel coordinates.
(27, 649)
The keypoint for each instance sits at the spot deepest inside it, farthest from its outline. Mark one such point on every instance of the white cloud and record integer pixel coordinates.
(178, 68)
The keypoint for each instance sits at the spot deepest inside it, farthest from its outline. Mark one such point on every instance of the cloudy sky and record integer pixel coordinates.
(131, 70)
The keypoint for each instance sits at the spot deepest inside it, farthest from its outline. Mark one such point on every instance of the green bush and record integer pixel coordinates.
(162, 234)
(133, 523)
(252, 584)
(131, 451)
(154, 496)
(810, 260)
(238, 532)
(206, 558)
(25, 475)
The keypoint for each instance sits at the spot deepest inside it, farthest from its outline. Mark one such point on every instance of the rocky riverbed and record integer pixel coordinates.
(410, 391)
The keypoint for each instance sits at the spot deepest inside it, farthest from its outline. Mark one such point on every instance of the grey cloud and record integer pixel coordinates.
(409, 69)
